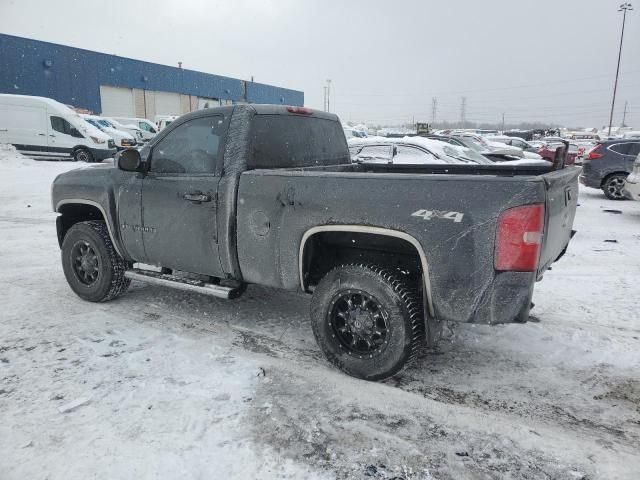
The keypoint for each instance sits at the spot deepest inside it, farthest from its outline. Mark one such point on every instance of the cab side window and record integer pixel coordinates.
(193, 147)
(59, 124)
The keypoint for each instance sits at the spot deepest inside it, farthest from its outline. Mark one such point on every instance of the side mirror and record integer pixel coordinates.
(75, 132)
(129, 160)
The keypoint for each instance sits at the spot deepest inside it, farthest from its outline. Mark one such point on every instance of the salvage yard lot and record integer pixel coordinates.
(166, 384)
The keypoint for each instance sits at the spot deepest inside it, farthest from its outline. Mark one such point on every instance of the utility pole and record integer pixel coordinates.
(434, 109)
(624, 115)
(502, 122)
(328, 95)
(324, 104)
(463, 111)
(623, 8)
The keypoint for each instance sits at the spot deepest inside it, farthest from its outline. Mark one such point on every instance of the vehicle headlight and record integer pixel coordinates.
(96, 139)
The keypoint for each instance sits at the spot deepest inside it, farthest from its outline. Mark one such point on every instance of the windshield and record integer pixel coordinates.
(93, 122)
(105, 123)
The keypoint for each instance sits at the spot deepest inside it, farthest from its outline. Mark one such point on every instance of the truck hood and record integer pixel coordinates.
(85, 183)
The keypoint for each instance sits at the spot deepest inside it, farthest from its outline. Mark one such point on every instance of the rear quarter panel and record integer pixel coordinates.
(276, 208)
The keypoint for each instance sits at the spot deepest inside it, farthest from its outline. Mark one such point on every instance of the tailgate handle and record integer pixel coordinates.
(197, 197)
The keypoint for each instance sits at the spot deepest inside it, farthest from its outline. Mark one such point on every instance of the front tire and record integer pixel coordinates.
(92, 267)
(367, 320)
(613, 187)
(83, 155)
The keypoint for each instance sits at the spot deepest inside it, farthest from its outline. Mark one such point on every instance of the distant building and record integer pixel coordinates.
(117, 86)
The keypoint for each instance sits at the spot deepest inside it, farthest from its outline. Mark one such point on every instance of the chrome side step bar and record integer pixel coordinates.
(189, 285)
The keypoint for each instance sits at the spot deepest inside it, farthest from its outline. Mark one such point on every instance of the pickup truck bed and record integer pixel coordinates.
(462, 283)
(388, 251)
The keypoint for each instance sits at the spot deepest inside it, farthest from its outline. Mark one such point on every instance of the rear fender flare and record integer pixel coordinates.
(426, 283)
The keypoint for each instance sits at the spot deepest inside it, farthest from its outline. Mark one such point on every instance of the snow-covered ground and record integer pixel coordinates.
(166, 384)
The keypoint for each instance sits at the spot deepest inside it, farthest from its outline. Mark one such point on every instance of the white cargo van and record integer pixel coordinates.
(163, 121)
(40, 127)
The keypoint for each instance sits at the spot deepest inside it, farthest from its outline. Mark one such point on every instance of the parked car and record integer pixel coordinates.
(513, 141)
(148, 129)
(632, 185)
(163, 121)
(420, 150)
(411, 151)
(632, 134)
(607, 166)
(548, 152)
(121, 138)
(132, 129)
(497, 147)
(584, 136)
(41, 127)
(351, 133)
(267, 194)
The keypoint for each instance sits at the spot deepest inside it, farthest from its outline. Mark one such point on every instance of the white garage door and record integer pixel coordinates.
(117, 101)
(204, 102)
(167, 103)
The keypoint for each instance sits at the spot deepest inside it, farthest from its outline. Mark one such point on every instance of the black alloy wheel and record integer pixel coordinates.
(86, 265)
(359, 322)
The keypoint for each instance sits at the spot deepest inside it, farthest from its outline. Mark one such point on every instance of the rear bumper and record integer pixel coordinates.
(589, 182)
(507, 299)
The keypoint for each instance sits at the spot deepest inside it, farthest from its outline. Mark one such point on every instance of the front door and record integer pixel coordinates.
(62, 136)
(179, 197)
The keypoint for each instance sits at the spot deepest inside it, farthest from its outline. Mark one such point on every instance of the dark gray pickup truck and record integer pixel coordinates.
(265, 194)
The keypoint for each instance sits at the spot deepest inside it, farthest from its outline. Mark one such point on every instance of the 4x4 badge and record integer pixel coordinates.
(431, 214)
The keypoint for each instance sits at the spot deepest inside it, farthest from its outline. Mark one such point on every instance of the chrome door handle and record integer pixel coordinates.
(52, 135)
(42, 134)
(197, 197)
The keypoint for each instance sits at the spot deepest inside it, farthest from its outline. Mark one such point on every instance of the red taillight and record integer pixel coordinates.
(593, 153)
(519, 238)
(300, 110)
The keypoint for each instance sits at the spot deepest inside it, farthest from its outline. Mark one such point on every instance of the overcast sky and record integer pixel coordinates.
(548, 60)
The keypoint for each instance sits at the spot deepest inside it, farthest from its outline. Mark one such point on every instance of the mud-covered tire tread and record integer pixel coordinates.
(119, 283)
(412, 300)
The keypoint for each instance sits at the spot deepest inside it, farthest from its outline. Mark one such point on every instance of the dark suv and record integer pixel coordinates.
(607, 166)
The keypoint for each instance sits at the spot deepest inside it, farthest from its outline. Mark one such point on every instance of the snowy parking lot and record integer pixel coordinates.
(167, 384)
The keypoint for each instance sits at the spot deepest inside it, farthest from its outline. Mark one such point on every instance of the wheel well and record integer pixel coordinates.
(326, 249)
(608, 175)
(72, 213)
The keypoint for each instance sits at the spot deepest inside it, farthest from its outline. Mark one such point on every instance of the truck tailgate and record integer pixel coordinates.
(560, 210)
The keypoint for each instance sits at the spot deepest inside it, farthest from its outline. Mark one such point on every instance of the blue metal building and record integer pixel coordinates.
(114, 85)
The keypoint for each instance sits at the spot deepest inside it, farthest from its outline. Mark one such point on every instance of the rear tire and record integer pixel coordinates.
(367, 320)
(613, 186)
(93, 268)
(83, 155)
